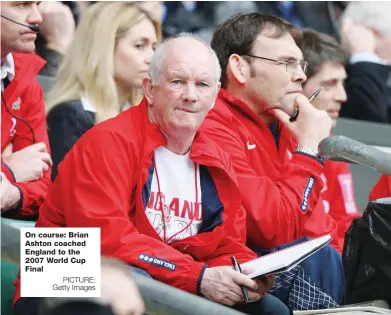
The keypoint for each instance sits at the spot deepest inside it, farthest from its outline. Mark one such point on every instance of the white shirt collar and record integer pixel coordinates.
(89, 106)
(8, 68)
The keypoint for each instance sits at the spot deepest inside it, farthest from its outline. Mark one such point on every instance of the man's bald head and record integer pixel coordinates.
(185, 47)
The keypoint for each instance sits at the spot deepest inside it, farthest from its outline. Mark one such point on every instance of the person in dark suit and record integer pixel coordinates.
(366, 36)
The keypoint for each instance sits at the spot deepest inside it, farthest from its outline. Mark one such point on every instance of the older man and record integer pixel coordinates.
(160, 189)
(276, 161)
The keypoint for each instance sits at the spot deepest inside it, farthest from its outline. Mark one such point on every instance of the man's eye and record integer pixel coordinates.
(203, 84)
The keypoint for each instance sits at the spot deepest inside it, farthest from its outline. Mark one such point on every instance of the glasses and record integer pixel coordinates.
(291, 66)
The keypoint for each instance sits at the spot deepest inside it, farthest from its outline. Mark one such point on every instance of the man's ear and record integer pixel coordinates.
(148, 89)
(217, 92)
(238, 68)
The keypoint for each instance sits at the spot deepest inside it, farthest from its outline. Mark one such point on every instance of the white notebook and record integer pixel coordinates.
(284, 259)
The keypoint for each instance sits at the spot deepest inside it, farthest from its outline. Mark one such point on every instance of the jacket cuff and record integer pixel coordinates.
(200, 279)
(8, 172)
(308, 161)
(194, 277)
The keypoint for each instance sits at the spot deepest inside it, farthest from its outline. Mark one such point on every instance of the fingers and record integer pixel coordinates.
(280, 115)
(227, 301)
(45, 157)
(303, 104)
(40, 147)
(270, 280)
(235, 297)
(253, 296)
(241, 279)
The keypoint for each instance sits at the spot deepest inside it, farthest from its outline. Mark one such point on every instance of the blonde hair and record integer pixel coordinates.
(88, 67)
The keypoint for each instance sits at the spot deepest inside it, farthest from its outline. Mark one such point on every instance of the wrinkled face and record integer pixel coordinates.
(133, 54)
(15, 37)
(330, 77)
(269, 84)
(187, 89)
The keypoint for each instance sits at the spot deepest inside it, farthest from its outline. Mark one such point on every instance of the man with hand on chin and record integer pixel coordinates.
(276, 160)
(164, 195)
(25, 158)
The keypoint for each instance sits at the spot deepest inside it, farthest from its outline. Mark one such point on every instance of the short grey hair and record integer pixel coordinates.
(155, 67)
(376, 15)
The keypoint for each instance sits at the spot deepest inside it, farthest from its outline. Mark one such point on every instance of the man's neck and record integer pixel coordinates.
(179, 146)
(239, 93)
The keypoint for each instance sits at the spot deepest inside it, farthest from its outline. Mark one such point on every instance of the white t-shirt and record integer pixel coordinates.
(176, 175)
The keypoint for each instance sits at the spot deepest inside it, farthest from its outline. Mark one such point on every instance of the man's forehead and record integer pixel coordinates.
(283, 46)
(330, 70)
(186, 69)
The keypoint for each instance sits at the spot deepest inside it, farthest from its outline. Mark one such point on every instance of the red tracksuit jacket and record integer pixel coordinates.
(382, 189)
(24, 98)
(100, 184)
(281, 190)
(338, 195)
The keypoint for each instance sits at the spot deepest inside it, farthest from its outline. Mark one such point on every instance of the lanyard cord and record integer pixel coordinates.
(163, 205)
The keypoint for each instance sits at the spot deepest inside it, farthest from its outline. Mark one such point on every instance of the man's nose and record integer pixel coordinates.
(190, 93)
(34, 16)
(341, 93)
(299, 75)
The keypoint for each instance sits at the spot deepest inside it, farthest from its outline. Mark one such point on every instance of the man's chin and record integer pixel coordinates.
(26, 48)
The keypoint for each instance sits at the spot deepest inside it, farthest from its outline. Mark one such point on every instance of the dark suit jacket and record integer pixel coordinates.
(368, 88)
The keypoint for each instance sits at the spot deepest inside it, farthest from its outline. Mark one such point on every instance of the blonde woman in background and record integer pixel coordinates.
(102, 72)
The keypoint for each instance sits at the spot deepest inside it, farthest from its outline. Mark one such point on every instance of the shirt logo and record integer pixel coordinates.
(251, 146)
(16, 104)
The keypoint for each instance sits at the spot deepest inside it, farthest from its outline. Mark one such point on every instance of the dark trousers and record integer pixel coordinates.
(316, 283)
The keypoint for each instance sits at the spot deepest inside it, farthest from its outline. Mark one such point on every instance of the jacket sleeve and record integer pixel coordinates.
(66, 123)
(343, 208)
(32, 193)
(100, 196)
(367, 92)
(280, 211)
(382, 189)
(234, 242)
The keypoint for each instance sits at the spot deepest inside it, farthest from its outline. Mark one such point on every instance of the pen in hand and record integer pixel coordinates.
(312, 97)
(242, 287)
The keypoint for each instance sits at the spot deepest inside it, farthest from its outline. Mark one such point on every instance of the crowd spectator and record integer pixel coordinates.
(326, 69)
(131, 167)
(276, 161)
(26, 162)
(99, 78)
(366, 36)
(189, 16)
